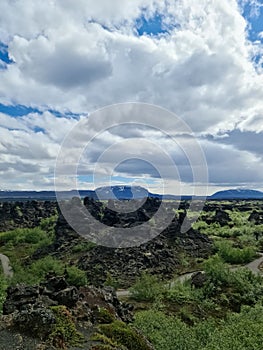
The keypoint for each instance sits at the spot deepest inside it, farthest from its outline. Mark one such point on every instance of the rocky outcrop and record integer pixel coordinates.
(31, 312)
(24, 214)
(160, 255)
(221, 217)
(198, 279)
(256, 217)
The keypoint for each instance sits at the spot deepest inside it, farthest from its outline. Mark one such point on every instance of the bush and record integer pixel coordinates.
(216, 270)
(235, 255)
(238, 331)
(183, 293)
(28, 237)
(23, 235)
(146, 288)
(76, 277)
(165, 332)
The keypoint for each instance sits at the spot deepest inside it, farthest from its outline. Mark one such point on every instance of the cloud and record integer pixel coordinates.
(81, 57)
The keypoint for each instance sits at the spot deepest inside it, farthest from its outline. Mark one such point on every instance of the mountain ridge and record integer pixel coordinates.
(123, 192)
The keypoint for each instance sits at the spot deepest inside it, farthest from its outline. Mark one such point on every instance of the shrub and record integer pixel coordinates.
(25, 236)
(216, 270)
(238, 331)
(76, 277)
(146, 288)
(182, 293)
(165, 332)
(233, 255)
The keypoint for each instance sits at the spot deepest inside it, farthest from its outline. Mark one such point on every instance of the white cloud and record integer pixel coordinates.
(80, 57)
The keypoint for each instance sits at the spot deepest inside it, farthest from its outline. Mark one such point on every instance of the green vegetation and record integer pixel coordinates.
(83, 247)
(222, 291)
(119, 334)
(241, 331)
(234, 255)
(64, 331)
(3, 287)
(36, 271)
(20, 244)
(111, 282)
(222, 310)
(146, 288)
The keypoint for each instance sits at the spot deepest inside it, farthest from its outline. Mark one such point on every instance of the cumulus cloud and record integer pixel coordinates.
(80, 57)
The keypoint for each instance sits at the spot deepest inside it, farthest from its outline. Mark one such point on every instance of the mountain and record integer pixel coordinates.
(121, 192)
(103, 193)
(237, 194)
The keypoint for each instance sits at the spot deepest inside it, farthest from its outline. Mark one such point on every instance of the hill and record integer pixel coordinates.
(238, 194)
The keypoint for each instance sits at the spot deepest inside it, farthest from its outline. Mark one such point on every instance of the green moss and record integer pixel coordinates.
(106, 341)
(104, 316)
(64, 331)
(83, 247)
(124, 335)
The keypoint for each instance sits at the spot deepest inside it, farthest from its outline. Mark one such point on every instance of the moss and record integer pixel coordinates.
(103, 315)
(106, 341)
(105, 347)
(124, 335)
(64, 332)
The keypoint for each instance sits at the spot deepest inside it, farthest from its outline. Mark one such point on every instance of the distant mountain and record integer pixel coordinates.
(121, 192)
(103, 193)
(237, 194)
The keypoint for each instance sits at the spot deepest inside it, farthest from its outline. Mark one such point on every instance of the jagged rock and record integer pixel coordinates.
(24, 214)
(222, 217)
(34, 320)
(160, 255)
(256, 217)
(28, 313)
(68, 296)
(198, 279)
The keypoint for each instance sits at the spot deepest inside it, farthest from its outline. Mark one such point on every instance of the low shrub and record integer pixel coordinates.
(146, 288)
(233, 255)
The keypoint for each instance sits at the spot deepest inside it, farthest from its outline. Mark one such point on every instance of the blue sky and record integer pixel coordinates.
(151, 26)
(254, 18)
(200, 60)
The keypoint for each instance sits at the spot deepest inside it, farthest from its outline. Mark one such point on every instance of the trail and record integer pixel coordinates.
(7, 269)
(252, 266)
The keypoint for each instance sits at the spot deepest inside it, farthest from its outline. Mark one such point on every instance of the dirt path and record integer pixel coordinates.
(252, 266)
(7, 269)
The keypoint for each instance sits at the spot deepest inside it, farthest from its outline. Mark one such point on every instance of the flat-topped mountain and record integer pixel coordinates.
(122, 192)
(238, 194)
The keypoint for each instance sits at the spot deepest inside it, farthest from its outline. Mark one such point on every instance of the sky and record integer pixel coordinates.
(61, 61)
